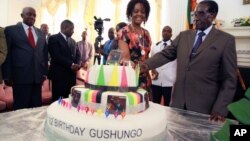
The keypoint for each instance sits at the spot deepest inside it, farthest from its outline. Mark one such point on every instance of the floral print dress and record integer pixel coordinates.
(139, 46)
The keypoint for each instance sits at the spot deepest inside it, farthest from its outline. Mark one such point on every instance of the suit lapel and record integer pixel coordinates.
(191, 39)
(209, 39)
(22, 32)
(65, 43)
(38, 37)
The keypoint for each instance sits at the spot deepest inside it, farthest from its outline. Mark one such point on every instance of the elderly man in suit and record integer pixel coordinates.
(65, 60)
(26, 64)
(206, 65)
(3, 50)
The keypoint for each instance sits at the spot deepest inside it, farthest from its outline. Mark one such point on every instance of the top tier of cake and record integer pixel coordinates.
(112, 77)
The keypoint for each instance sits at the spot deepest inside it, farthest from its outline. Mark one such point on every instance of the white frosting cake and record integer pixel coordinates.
(112, 76)
(68, 124)
(109, 107)
(130, 102)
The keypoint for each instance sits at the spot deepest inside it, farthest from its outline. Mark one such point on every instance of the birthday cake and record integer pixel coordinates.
(109, 107)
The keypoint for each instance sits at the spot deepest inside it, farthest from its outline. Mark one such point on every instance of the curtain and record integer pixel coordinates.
(176, 11)
(82, 12)
(52, 5)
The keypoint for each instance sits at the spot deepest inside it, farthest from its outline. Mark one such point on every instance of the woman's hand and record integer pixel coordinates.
(154, 74)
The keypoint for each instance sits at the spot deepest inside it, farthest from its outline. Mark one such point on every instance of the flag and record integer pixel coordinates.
(188, 19)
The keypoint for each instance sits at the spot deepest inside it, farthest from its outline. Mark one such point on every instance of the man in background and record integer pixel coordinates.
(25, 67)
(163, 78)
(45, 29)
(85, 49)
(3, 51)
(105, 50)
(65, 60)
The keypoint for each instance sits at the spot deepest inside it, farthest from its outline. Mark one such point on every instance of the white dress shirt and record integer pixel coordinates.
(26, 29)
(205, 31)
(167, 72)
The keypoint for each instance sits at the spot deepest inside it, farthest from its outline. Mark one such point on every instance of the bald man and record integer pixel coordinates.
(86, 50)
(26, 65)
(45, 30)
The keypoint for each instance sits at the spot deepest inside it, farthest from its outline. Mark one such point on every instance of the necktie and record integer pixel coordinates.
(69, 42)
(164, 45)
(31, 37)
(70, 45)
(197, 43)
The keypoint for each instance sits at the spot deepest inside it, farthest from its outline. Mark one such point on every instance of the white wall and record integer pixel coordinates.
(11, 10)
(4, 13)
(231, 9)
(228, 10)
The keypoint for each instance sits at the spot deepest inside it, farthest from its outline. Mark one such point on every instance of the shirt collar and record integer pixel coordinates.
(168, 42)
(205, 31)
(25, 26)
(64, 36)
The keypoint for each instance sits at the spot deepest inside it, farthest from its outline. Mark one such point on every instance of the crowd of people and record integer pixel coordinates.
(196, 71)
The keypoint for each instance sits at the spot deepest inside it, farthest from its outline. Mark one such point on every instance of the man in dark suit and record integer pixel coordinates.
(26, 64)
(206, 74)
(65, 61)
(105, 49)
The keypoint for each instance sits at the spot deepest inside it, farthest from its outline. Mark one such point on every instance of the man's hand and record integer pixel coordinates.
(143, 67)
(44, 78)
(217, 117)
(8, 83)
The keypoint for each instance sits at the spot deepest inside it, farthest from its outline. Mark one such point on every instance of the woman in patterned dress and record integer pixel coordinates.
(134, 40)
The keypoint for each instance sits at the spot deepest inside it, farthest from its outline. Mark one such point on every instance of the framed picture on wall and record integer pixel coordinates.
(246, 1)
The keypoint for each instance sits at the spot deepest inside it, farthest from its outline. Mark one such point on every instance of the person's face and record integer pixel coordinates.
(29, 16)
(202, 18)
(138, 14)
(45, 29)
(111, 34)
(69, 30)
(76, 97)
(84, 35)
(166, 33)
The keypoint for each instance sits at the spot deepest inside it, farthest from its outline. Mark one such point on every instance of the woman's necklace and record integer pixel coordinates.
(139, 32)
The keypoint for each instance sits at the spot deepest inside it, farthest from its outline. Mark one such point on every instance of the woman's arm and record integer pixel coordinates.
(123, 46)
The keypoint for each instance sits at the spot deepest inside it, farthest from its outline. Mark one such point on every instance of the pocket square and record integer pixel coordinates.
(213, 47)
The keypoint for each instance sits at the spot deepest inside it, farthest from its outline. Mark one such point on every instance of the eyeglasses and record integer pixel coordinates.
(199, 13)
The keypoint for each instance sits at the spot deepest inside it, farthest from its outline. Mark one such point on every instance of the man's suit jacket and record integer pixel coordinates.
(3, 50)
(25, 64)
(62, 57)
(207, 82)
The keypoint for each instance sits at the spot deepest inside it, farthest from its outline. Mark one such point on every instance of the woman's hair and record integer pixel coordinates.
(131, 6)
(120, 26)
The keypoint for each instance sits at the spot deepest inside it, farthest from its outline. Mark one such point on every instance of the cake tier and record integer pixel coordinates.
(64, 124)
(112, 76)
(109, 101)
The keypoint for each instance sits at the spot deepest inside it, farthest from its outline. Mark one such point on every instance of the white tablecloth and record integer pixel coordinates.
(28, 125)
